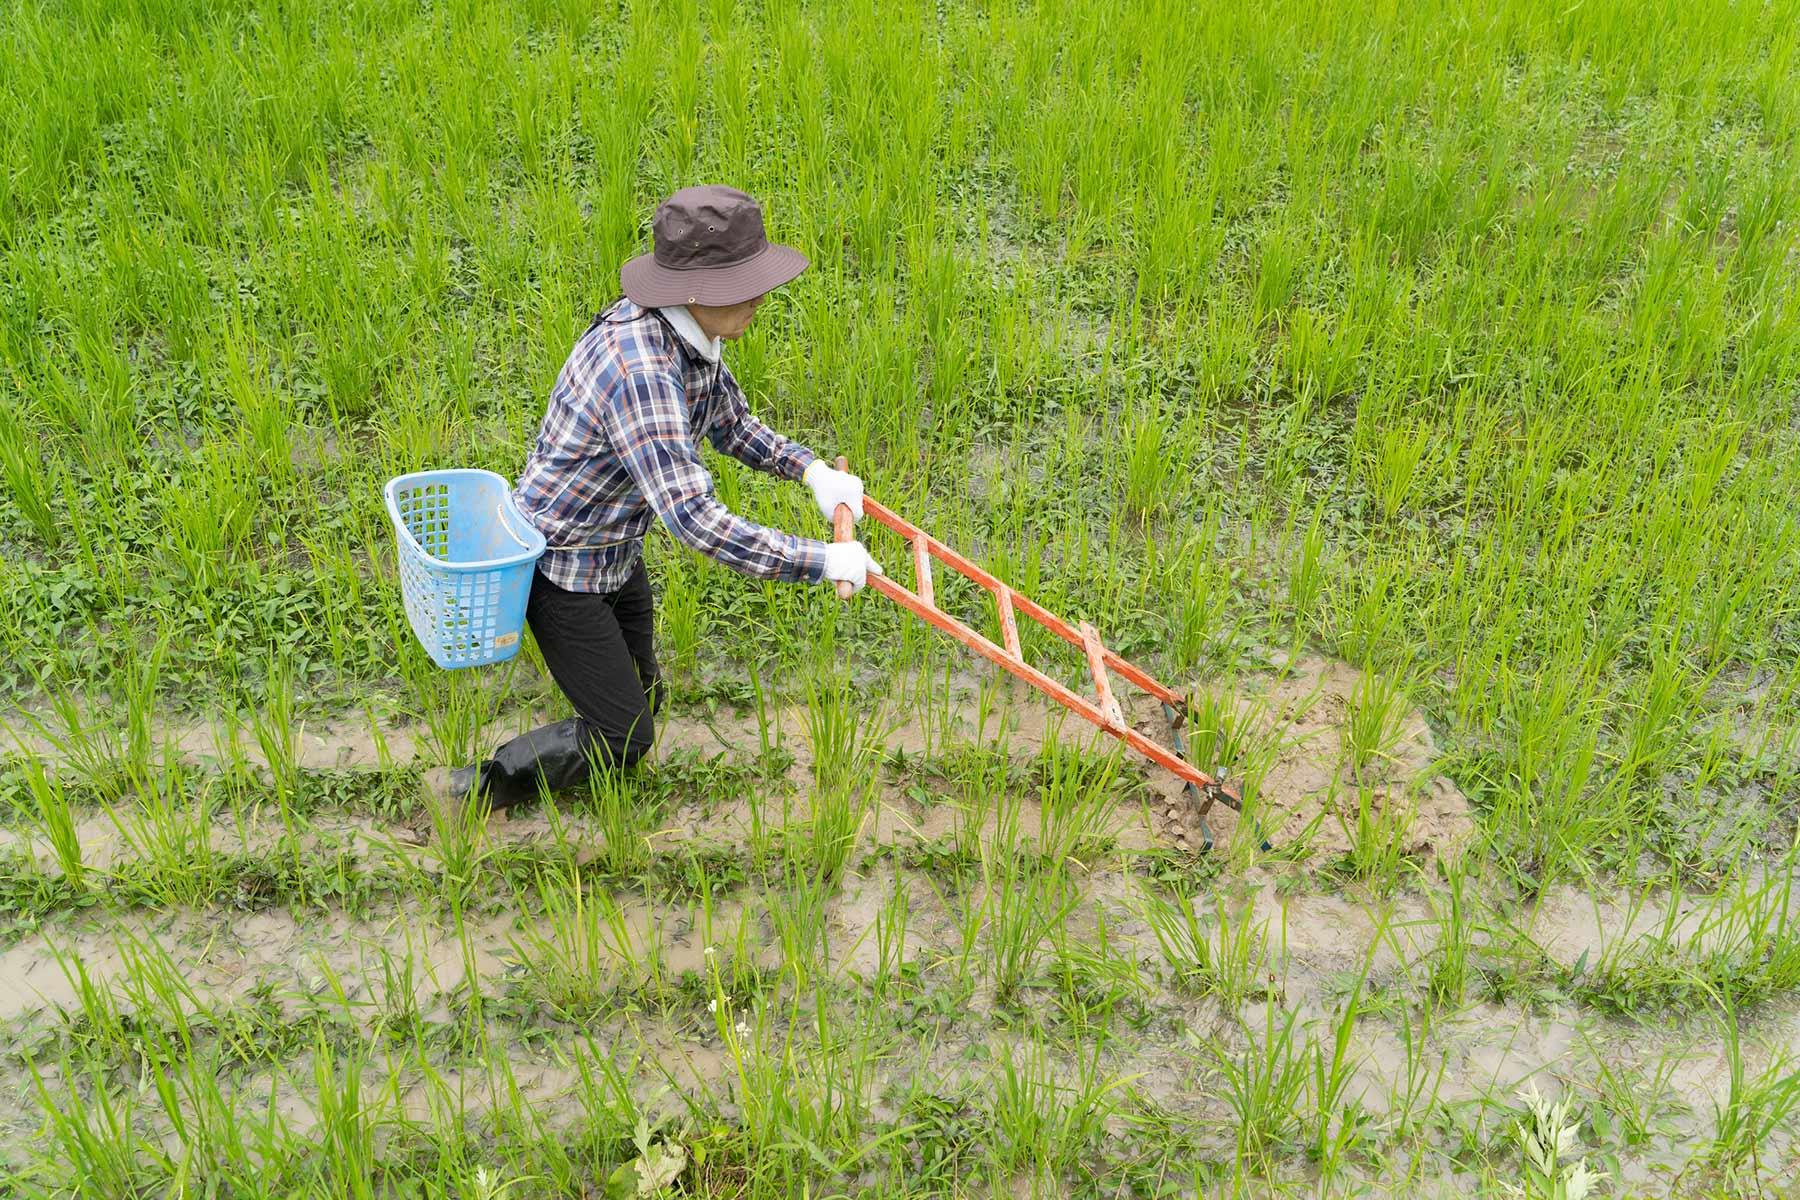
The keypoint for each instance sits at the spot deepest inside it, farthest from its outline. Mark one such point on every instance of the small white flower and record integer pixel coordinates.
(712, 1006)
(742, 1029)
(710, 951)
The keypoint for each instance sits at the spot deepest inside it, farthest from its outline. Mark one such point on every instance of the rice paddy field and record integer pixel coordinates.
(1417, 387)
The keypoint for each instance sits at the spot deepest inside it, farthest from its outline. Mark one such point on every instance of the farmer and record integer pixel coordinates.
(619, 445)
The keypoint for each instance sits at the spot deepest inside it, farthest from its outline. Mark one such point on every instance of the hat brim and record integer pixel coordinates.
(649, 283)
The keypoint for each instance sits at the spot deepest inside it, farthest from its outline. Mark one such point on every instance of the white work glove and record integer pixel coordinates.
(849, 562)
(831, 487)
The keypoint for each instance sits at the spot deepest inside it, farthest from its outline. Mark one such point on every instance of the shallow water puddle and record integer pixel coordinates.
(927, 823)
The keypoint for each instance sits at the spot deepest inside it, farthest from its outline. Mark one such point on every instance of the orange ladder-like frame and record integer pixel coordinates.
(1103, 712)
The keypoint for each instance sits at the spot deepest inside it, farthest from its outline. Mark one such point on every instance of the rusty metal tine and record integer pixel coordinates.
(921, 547)
(1009, 628)
(1096, 656)
(1176, 718)
(1202, 800)
(1192, 792)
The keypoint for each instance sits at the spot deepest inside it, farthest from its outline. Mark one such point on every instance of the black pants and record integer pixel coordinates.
(600, 649)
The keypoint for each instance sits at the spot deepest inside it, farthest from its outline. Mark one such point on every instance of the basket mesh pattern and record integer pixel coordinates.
(426, 511)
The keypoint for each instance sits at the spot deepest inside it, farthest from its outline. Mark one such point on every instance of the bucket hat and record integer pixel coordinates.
(708, 248)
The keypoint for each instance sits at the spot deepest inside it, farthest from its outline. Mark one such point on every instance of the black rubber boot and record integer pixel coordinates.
(557, 753)
(462, 782)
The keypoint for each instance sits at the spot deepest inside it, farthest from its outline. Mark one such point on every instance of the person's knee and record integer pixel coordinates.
(642, 734)
(634, 750)
(622, 747)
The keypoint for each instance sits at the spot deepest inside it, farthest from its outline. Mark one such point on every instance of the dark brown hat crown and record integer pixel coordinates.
(708, 247)
(709, 226)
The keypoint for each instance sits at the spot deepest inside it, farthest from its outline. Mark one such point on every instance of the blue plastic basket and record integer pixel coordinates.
(466, 558)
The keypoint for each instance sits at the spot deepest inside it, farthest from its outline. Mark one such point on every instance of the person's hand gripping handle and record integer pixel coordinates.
(839, 495)
(843, 529)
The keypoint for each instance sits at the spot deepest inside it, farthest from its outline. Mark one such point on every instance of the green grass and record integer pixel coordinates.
(1456, 343)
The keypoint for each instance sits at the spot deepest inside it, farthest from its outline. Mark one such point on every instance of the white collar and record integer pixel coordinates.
(691, 333)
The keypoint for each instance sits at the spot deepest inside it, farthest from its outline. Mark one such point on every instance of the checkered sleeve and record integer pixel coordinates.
(737, 432)
(646, 420)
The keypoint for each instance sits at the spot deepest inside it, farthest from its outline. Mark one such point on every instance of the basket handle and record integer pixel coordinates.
(510, 518)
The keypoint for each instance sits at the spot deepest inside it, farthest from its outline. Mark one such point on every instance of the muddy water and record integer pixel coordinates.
(1305, 779)
(1320, 939)
(1302, 709)
(1480, 1056)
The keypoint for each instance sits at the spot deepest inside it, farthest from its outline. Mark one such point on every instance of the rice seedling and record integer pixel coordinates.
(1225, 957)
(167, 827)
(1025, 902)
(617, 802)
(797, 912)
(1148, 469)
(1096, 982)
(1634, 1106)
(1044, 1123)
(1447, 978)
(1339, 1121)
(21, 462)
(1277, 271)
(1739, 944)
(1754, 1106)
(1265, 1083)
(1221, 730)
(984, 796)
(278, 730)
(586, 954)
(1376, 825)
(1396, 460)
(96, 1024)
(890, 939)
(55, 820)
(801, 1108)
(346, 1123)
(1077, 796)
(94, 752)
(1414, 1102)
(845, 737)
(1306, 581)
(459, 846)
(93, 1136)
(1372, 724)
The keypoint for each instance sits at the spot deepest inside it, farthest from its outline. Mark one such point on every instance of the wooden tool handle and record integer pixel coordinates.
(843, 529)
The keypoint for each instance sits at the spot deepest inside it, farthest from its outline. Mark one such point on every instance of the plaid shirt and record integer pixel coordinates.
(620, 444)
